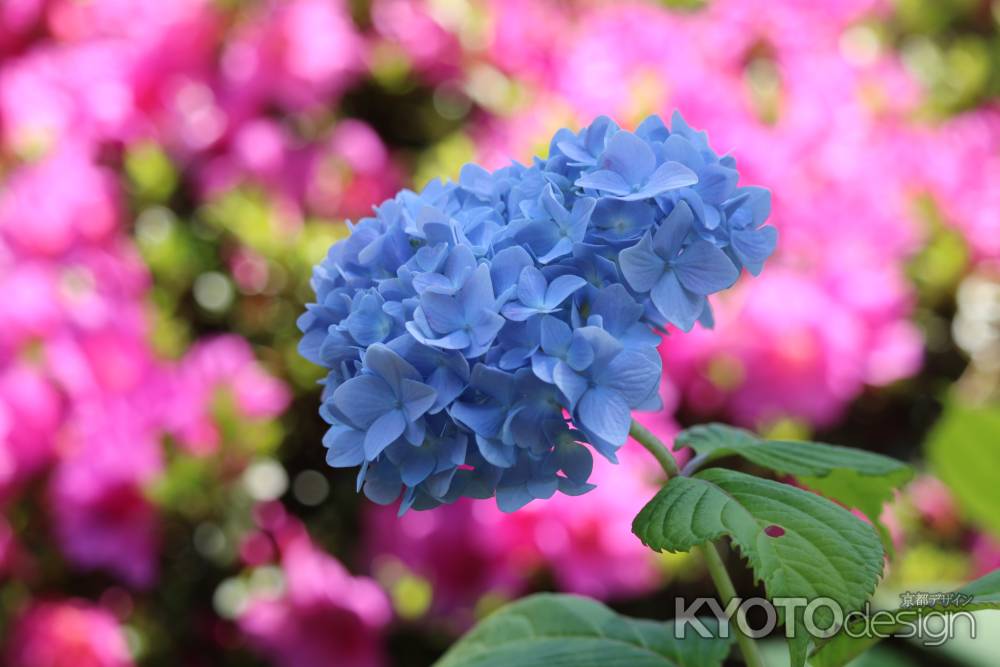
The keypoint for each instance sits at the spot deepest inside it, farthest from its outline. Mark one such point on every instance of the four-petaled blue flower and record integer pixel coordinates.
(482, 338)
(677, 272)
(629, 171)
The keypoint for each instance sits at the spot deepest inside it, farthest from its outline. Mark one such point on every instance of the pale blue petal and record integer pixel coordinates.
(486, 420)
(754, 247)
(677, 305)
(364, 399)
(507, 266)
(555, 335)
(604, 181)
(633, 375)
(629, 156)
(383, 432)
(640, 265)
(571, 384)
(580, 354)
(704, 269)
(668, 176)
(531, 287)
(496, 452)
(389, 366)
(605, 413)
(562, 247)
(444, 313)
(674, 230)
(417, 398)
(561, 288)
(345, 447)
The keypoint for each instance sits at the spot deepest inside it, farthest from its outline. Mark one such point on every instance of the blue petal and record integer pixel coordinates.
(753, 247)
(569, 383)
(674, 230)
(668, 176)
(389, 366)
(561, 288)
(562, 247)
(604, 181)
(506, 267)
(444, 313)
(382, 485)
(416, 466)
(716, 183)
(517, 312)
(512, 498)
(605, 413)
(677, 148)
(575, 461)
(364, 399)
(555, 335)
(417, 398)
(580, 354)
(629, 156)
(541, 489)
(496, 452)
(633, 375)
(705, 269)
(447, 385)
(345, 447)
(677, 305)
(531, 287)
(486, 420)
(640, 265)
(383, 432)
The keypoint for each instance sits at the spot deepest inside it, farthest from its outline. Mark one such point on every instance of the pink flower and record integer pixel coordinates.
(324, 616)
(783, 347)
(464, 550)
(31, 413)
(64, 200)
(299, 53)
(934, 502)
(409, 24)
(351, 173)
(213, 365)
(470, 549)
(985, 554)
(586, 542)
(101, 515)
(68, 633)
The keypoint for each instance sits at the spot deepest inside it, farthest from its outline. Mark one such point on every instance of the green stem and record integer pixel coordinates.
(724, 585)
(716, 568)
(655, 447)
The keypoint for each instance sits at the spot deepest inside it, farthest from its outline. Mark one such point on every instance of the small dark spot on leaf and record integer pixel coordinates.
(774, 531)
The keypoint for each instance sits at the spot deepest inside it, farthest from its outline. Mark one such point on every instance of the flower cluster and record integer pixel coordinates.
(477, 332)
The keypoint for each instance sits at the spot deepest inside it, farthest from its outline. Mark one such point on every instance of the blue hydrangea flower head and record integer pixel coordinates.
(483, 338)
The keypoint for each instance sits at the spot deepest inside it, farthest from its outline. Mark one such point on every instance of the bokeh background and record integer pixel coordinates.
(170, 171)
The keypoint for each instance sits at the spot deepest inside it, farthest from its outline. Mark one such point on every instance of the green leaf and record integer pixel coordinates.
(842, 648)
(964, 452)
(855, 478)
(821, 549)
(568, 631)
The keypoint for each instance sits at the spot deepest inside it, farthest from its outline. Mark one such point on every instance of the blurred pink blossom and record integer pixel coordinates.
(67, 633)
(324, 615)
(101, 515)
(63, 201)
(213, 365)
(409, 24)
